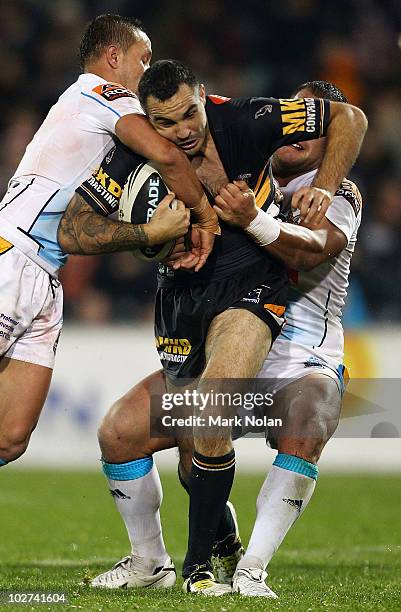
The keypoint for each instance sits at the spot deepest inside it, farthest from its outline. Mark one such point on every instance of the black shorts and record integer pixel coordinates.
(183, 316)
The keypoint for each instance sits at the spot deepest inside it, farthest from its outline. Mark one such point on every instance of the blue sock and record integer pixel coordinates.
(296, 464)
(2, 462)
(128, 471)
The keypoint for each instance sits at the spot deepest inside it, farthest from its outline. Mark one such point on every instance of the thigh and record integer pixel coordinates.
(23, 390)
(31, 305)
(236, 345)
(126, 430)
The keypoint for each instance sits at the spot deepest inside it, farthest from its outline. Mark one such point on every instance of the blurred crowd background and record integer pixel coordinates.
(237, 49)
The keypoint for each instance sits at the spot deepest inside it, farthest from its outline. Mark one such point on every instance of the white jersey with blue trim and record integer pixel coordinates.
(316, 298)
(71, 142)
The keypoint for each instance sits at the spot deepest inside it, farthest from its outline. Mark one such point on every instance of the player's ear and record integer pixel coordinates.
(202, 93)
(112, 54)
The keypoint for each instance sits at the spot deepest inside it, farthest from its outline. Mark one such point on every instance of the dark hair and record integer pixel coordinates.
(107, 30)
(163, 79)
(323, 89)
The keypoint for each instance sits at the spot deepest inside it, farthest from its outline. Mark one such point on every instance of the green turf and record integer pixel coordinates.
(343, 554)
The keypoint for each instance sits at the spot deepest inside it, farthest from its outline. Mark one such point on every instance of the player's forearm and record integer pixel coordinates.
(345, 134)
(82, 231)
(270, 233)
(297, 238)
(295, 258)
(298, 247)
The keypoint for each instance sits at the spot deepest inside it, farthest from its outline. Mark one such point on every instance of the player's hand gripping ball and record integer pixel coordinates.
(142, 193)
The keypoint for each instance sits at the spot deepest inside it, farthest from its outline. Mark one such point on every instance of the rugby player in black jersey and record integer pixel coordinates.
(211, 310)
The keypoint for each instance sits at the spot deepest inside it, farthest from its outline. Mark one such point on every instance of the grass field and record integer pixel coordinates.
(344, 553)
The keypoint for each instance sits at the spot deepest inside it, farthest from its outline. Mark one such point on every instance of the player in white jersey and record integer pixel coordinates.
(304, 369)
(71, 142)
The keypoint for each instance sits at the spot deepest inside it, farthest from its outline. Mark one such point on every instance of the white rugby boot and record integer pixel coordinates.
(127, 574)
(227, 553)
(251, 582)
(203, 582)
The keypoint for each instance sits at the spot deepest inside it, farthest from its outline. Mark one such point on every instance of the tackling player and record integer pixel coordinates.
(233, 136)
(71, 142)
(304, 369)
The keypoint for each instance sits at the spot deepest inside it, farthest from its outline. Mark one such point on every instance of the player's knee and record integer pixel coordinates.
(315, 425)
(316, 420)
(123, 436)
(112, 431)
(14, 442)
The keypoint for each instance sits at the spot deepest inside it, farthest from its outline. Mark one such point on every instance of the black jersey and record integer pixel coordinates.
(246, 132)
(102, 190)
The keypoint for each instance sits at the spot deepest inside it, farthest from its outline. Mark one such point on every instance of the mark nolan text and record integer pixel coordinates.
(219, 421)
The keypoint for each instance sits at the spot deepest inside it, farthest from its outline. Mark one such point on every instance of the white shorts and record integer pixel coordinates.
(289, 361)
(31, 309)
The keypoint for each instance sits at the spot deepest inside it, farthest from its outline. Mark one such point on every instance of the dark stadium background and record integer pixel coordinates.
(237, 49)
(58, 523)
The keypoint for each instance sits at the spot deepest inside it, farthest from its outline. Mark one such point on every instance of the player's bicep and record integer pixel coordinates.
(136, 133)
(278, 122)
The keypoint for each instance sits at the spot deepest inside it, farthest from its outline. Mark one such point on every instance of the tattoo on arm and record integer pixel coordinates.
(82, 231)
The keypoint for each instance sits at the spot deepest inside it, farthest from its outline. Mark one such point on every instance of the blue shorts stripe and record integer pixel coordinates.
(128, 471)
(296, 464)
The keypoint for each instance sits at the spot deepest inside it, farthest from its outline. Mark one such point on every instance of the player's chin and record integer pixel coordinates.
(290, 152)
(289, 157)
(192, 147)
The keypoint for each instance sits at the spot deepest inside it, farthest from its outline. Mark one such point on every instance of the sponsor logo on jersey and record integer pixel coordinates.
(113, 91)
(298, 115)
(314, 362)
(253, 296)
(267, 108)
(349, 191)
(108, 183)
(108, 189)
(173, 349)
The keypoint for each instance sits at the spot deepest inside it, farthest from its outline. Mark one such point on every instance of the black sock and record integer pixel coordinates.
(226, 526)
(209, 485)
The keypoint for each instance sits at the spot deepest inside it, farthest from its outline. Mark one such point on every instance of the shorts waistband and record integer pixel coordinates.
(26, 245)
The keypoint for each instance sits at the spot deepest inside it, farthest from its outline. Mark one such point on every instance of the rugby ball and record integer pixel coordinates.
(142, 193)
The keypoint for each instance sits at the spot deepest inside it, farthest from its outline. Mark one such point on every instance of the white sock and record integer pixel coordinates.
(138, 500)
(283, 497)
